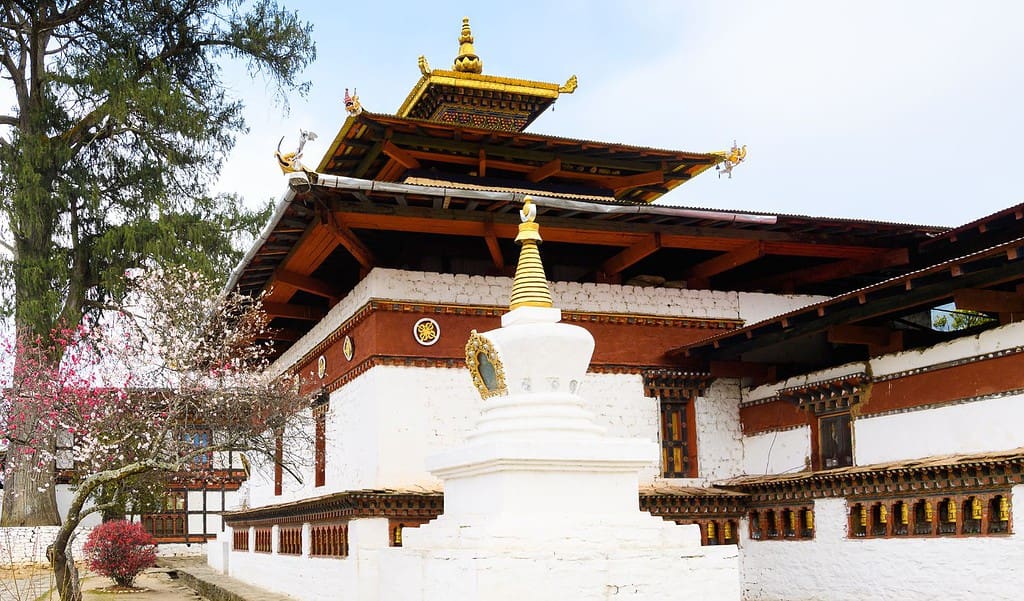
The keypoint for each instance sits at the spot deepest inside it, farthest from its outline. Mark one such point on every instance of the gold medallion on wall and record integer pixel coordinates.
(321, 367)
(485, 366)
(348, 348)
(426, 331)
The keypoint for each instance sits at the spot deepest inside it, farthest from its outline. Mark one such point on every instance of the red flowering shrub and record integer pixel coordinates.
(120, 550)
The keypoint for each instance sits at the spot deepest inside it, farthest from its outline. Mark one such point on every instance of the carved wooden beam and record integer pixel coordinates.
(621, 183)
(724, 262)
(632, 255)
(492, 246)
(403, 158)
(308, 284)
(290, 311)
(347, 238)
(839, 269)
(545, 171)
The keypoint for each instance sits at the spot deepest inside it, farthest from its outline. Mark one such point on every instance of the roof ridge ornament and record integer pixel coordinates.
(730, 159)
(530, 286)
(290, 162)
(467, 61)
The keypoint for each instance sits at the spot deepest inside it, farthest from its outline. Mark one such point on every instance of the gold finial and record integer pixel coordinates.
(467, 61)
(423, 65)
(530, 286)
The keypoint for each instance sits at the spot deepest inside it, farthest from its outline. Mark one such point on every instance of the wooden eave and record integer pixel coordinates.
(297, 263)
(999, 265)
(439, 82)
(627, 173)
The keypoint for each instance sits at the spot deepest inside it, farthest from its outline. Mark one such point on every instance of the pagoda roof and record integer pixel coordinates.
(392, 148)
(329, 231)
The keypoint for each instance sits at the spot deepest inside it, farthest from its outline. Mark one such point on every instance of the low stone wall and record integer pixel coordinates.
(28, 545)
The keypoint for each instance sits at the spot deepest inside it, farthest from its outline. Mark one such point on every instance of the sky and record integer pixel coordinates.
(895, 111)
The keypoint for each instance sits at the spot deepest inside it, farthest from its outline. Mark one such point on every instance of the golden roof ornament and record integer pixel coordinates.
(530, 286)
(290, 162)
(352, 105)
(730, 159)
(467, 61)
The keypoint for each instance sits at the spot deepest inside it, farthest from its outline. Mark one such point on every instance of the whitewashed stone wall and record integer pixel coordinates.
(309, 578)
(719, 438)
(836, 568)
(777, 452)
(987, 425)
(382, 425)
(974, 426)
(28, 545)
(394, 284)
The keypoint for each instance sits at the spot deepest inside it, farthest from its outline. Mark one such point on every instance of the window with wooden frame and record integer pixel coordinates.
(320, 407)
(328, 540)
(675, 391)
(835, 441)
(240, 539)
(264, 542)
(198, 439)
(289, 540)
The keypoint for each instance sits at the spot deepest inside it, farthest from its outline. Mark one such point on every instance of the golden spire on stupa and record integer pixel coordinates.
(467, 61)
(530, 286)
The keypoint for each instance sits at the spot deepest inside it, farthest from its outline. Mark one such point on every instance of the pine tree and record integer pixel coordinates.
(121, 120)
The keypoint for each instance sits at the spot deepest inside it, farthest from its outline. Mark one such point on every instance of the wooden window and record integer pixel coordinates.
(278, 467)
(948, 516)
(835, 441)
(329, 540)
(263, 539)
(320, 408)
(289, 540)
(924, 518)
(900, 516)
(729, 535)
(240, 539)
(771, 524)
(678, 455)
(756, 531)
(398, 525)
(999, 515)
(859, 520)
(198, 439)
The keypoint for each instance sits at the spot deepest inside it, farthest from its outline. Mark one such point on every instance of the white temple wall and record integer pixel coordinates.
(838, 568)
(719, 438)
(991, 424)
(395, 284)
(309, 578)
(777, 452)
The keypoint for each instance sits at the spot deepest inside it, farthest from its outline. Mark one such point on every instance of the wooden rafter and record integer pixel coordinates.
(836, 270)
(741, 256)
(545, 171)
(492, 246)
(992, 301)
(347, 238)
(400, 156)
(621, 183)
(632, 255)
(290, 311)
(308, 284)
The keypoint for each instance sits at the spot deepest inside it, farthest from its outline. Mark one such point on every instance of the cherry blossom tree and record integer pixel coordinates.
(132, 389)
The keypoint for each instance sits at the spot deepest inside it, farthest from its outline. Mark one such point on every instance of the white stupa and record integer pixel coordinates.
(539, 504)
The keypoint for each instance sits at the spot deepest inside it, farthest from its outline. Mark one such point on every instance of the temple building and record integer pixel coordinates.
(812, 417)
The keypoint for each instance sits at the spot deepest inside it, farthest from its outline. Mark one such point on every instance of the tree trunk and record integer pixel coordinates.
(65, 574)
(29, 495)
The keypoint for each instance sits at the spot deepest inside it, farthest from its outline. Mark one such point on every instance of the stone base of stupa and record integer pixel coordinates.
(551, 520)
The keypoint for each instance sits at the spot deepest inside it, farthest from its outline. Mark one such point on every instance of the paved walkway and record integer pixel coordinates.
(35, 583)
(213, 585)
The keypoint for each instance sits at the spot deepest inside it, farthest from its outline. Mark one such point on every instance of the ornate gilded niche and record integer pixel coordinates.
(485, 366)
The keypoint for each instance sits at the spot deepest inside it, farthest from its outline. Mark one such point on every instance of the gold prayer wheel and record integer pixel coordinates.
(809, 518)
(951, 511)
(1004, 509)
(975, 508)
(904, 513)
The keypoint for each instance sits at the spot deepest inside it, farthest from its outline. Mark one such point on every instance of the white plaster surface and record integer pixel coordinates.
(719, 437)
(777, 452)
(395, 284)
(834, 568)
(758, 306)
(992, 424)
(989, 341)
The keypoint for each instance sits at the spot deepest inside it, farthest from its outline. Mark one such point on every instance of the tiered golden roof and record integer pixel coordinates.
(530, 286)
(465, 96)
